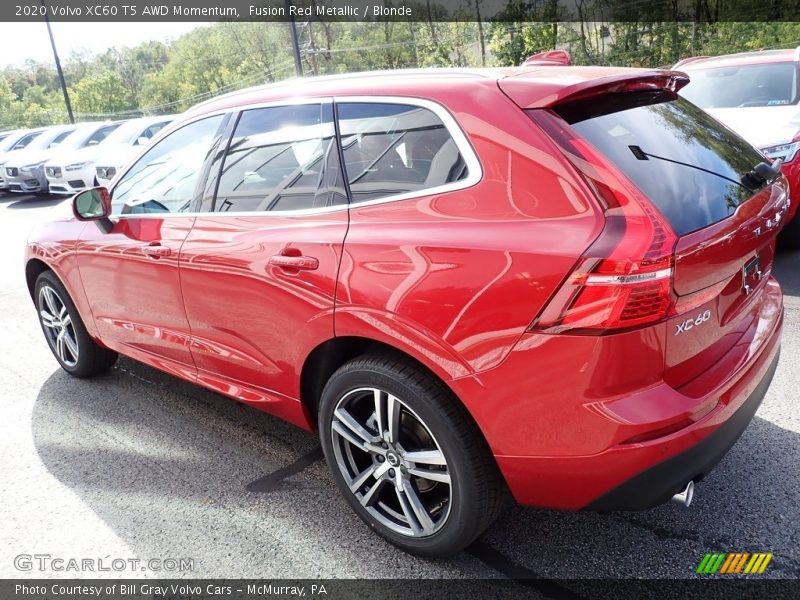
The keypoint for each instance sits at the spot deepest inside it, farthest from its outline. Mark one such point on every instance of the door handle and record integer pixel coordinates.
(300, 263)
(156, 250)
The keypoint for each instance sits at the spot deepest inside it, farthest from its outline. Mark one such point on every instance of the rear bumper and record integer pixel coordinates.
(581, 422)
(658, 484)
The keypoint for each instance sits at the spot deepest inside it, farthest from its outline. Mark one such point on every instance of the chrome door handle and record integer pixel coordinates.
(302, 263)
(157, 251)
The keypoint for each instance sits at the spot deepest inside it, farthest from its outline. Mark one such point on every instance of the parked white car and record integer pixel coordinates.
(25, 169)
(70, 168)
(125, 144)
(757, 95)
(14, 141)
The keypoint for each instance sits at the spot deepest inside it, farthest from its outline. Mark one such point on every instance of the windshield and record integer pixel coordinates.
(86, 136)
(129, 132)
(686, 163)
(749, 85)
(18, 141)
(49, 139)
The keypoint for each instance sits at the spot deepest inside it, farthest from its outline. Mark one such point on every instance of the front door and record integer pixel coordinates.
(129, 264)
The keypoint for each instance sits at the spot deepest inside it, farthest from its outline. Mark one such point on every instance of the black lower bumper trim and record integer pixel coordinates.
(658, 484)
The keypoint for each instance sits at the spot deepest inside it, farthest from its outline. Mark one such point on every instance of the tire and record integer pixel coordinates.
(789, 237)
(76, 352)
(429, 419)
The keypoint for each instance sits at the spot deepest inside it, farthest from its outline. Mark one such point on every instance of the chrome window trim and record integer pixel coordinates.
(474, 168)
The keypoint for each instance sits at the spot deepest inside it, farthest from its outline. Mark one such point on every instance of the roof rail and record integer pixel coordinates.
(551, 57)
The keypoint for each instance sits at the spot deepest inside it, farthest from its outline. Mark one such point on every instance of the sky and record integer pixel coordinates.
(21, 41)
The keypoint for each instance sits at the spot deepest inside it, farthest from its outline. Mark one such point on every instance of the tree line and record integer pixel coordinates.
(167, 77)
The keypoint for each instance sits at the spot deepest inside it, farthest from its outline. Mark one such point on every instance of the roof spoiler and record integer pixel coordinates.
(552, 57)
(526, 95)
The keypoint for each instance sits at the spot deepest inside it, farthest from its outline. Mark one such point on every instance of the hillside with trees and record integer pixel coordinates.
(168, 77)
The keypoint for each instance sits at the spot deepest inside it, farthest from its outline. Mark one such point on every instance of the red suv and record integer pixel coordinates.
(552, 280)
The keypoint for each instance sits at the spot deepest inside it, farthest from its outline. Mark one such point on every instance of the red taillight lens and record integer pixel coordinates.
(624, 279)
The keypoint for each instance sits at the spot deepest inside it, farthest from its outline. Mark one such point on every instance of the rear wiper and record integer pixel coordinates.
(642, 155)
(762, 174)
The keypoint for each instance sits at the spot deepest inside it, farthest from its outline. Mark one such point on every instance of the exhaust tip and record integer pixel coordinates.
(686, 496)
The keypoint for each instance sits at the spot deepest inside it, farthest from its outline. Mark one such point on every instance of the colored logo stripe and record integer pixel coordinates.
(734, 562)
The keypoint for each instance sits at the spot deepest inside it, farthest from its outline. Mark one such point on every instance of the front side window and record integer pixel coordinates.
(392, 149)
(164, 179)
(280, 158)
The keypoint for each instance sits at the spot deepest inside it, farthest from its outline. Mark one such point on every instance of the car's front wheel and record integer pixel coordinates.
(407, 457)
(74, 349)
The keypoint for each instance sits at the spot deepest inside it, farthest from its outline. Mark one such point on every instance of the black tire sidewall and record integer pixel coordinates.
(463, 512)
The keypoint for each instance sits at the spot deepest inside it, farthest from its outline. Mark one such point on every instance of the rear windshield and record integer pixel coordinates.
(686, 163)
(750, 85)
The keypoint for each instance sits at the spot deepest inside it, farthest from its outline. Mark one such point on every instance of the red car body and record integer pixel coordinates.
(461, 282)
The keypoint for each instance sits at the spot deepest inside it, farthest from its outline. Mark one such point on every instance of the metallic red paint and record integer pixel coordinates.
(453, 280)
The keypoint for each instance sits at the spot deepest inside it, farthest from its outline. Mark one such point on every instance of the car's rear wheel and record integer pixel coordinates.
(407, 457)
(76, 352)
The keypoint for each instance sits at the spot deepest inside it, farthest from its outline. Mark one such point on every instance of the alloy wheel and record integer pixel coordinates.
(58, 326)
(391, 462)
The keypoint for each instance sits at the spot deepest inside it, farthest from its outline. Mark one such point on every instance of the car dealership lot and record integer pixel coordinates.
(137, 464)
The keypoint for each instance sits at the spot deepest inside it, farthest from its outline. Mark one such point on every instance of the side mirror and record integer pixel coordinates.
(93, 204)
(142, 141)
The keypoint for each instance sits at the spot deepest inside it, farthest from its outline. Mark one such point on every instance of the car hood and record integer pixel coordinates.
(8, 155)
(67, 157)
(761, 125)
(29, 157)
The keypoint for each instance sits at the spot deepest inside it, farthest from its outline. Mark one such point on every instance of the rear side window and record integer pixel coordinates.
(686, 163)
(392, 149)
(748, 85)
(278, 160)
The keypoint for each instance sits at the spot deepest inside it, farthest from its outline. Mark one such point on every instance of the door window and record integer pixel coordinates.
(280, 158)
(164, 179)
(392, 149)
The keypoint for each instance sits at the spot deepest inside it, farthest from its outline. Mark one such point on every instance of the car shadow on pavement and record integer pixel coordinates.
(35, 201)
(166, 466)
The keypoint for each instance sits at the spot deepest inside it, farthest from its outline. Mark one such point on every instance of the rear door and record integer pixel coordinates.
(698, 174)
(259, 268)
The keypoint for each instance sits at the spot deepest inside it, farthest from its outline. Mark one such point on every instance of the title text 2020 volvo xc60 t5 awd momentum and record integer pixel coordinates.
(549, 280)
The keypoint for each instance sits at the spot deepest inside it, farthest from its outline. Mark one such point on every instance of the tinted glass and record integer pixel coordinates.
(277, 160)
(681, 158)
(394, 149)
(750, 85)
(164, 179)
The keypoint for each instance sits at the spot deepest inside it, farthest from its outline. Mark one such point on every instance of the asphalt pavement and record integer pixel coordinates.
(137, 464)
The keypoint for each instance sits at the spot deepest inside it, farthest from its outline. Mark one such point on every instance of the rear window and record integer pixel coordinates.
(750, 85)
(686, 163)
(392, 149)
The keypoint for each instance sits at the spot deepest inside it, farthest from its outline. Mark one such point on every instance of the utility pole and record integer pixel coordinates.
(298, 66)
(58, 65)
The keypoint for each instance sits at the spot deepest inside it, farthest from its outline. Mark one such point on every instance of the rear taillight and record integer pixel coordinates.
(624, 279)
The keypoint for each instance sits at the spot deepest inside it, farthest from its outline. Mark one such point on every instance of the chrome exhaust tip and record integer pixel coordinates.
(686, 496)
